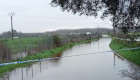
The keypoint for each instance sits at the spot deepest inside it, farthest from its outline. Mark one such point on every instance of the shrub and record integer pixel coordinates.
(57, 40)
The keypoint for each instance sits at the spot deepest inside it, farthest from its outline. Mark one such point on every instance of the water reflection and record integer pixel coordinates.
(132, 71)
(100, 66)
(114, 60)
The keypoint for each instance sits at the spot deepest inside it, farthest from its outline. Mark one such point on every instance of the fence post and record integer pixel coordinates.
(6, 51)
(38, 44)
(0, 54)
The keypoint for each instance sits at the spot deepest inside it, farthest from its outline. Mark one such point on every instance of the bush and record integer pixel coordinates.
(57, 40)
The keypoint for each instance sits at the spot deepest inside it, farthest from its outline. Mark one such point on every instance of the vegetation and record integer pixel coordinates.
(23, 44)
(57, 40)
(20, 44)
(132, 36)
(4, 69)
(131, 55)
(27, 46)
(42, 47)
(3, 49)
(125, 13)
(44, 54)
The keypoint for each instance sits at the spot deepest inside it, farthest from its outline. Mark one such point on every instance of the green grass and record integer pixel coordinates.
(43, 54)
(19, 44)
(131, 55)
(4, 69)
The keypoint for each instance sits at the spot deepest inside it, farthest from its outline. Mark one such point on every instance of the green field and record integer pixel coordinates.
(20, 44)
(131, 55)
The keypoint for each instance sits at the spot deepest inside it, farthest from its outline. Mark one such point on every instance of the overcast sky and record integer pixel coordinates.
(39, 16)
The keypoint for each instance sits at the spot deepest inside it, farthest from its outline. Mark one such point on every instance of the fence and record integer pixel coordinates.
(26, 46)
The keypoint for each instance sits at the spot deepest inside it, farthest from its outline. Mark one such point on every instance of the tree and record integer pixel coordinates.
(125, 13)
(57, 40)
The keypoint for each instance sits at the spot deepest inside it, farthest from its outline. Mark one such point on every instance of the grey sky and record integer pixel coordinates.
(39, 16)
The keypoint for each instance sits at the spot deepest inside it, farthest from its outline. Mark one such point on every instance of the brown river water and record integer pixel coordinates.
(99, 66)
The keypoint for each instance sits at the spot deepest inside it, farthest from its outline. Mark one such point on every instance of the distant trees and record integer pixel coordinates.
(19, 34)
(8, 34)
(80, 31)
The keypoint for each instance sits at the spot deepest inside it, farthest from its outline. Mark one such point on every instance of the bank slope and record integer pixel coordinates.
(131, 55)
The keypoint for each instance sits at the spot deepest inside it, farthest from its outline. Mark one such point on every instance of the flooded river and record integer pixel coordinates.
(99, 66)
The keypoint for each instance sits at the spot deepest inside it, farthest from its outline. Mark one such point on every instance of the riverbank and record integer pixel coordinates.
(44, 54)
(131, 55)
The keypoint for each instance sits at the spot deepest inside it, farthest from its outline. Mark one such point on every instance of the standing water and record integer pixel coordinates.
(99, 66)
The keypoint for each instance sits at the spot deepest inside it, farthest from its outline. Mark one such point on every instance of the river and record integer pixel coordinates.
(99, 66)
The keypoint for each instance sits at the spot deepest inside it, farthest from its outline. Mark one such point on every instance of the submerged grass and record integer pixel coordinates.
(131, 55)
(43, 54)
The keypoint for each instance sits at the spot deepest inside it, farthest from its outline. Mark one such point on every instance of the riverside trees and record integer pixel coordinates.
(125, 13)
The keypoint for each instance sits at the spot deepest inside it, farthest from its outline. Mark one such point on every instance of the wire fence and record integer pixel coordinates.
(26, 46)
(127, 42)
(21, 47)
(20, 62)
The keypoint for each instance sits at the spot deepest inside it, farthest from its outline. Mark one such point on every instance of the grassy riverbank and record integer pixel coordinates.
(43, 54)
(131, 55)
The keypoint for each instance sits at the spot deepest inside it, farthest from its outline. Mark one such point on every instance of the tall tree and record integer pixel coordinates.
(125, 13)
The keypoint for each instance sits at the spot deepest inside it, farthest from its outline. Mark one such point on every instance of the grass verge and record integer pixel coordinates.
(131, 55)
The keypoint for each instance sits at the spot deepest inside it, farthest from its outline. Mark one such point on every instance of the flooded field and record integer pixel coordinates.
(98, 66)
